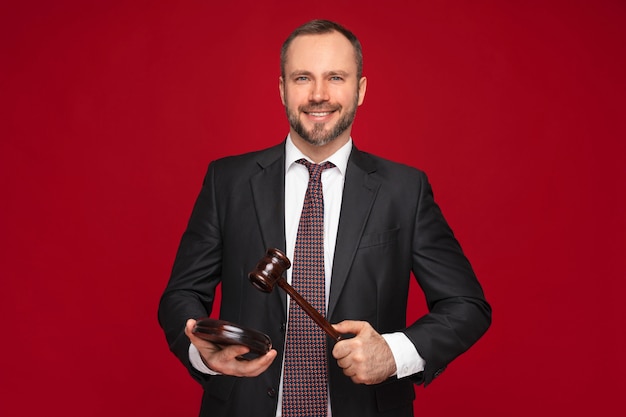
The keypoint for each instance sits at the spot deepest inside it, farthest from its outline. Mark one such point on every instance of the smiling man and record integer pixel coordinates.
(356, 228)
(321, 87)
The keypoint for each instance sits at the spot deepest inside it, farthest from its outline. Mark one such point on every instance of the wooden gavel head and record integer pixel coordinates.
(269, 270)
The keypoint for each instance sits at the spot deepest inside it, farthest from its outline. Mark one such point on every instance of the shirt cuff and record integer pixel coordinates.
(408, 360)
(198, 363)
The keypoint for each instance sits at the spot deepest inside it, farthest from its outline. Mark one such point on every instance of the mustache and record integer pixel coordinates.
(321, 107)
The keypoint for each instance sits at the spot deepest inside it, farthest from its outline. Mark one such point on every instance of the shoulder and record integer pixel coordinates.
(260, 158)
(230, 172)
(385, 169)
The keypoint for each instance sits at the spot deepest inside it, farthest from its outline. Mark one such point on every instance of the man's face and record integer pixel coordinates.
(320, 89)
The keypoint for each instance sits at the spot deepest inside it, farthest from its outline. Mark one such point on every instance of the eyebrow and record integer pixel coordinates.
(298, 73)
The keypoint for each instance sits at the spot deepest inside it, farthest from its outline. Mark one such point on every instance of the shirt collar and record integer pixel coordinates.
(339, 158)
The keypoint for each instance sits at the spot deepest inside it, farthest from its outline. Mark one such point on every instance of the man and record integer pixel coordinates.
(380, 224)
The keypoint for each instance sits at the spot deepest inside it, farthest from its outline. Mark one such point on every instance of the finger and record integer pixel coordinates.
(189, 332)
(343, 364)
(351, 326)
(264, 361)
(250, 368)
(197, 341)
(341, 350)
(349, 371)
(189, 325)
(346, 347)
(231, 352)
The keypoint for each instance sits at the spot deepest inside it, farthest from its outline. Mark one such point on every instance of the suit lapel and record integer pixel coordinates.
(268, 189)
(359, 193)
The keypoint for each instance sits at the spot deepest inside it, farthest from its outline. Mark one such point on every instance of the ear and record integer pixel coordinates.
(281, 89)
(362, 89)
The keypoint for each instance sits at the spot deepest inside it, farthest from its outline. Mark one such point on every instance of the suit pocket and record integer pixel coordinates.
(377, 239)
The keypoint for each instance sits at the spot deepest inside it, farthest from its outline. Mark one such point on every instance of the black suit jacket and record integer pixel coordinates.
(389, 227)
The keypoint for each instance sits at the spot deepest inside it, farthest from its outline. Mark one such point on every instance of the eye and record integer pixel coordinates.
(301, 79)
(336, 78)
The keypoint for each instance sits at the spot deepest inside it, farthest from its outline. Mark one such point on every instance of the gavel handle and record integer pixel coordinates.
(308, 309)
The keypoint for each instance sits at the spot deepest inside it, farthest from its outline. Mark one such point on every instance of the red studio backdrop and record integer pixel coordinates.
(112, 110)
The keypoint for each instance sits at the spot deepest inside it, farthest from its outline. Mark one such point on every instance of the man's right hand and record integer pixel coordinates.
(226, 360)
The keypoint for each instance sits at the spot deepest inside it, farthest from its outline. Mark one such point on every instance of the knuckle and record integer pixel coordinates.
(359, 379)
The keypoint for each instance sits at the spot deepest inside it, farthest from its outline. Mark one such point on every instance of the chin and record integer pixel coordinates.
(320, 142)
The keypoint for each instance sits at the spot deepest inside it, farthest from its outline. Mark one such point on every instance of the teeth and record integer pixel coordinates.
(320, 114)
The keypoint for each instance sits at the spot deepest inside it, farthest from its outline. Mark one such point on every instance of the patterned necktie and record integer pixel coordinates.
(305, 380)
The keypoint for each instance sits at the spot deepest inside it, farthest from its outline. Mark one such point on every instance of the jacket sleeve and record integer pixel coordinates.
(458, 312)
(195, 275)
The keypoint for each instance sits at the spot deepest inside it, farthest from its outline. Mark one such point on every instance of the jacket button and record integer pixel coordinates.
(271, 392)
(283, 327)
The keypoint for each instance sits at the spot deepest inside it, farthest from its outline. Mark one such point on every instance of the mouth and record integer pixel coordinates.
(319, 115)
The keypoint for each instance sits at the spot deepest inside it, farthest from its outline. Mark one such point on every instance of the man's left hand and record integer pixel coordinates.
(366, 358)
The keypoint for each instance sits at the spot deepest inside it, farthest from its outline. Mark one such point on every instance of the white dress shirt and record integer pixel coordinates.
(407, 359)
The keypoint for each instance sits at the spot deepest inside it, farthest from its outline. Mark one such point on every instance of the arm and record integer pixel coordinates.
(196, 273)
(191, 291)
(458, 312)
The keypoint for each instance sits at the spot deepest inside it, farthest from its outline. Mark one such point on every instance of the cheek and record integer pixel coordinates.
(345, 96)
(296, 93)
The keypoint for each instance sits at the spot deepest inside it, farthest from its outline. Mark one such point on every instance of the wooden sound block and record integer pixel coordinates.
(222, 332)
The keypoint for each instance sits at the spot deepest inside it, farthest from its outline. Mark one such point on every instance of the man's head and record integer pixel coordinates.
(321, 85)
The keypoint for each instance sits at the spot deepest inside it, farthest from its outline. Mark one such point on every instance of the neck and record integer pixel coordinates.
(318, 154)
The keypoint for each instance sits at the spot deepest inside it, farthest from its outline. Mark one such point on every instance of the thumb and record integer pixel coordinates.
(189, 326)
(190, 323)
(351, 326)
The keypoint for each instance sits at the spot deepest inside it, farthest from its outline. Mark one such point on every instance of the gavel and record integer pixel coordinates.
(269, 271)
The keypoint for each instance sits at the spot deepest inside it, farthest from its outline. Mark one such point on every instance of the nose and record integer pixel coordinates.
(319, 92)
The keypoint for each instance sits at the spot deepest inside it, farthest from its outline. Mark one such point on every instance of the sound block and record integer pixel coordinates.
(222, 332)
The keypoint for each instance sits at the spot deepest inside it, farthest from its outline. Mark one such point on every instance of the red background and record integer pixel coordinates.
(112, 110)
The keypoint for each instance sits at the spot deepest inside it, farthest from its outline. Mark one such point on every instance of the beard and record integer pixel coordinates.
(319, 135)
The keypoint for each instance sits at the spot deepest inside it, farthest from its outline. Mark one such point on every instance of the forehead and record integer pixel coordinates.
(324, 52)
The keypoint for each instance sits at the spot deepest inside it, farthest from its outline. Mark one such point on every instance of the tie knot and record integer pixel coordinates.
(315, 170)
